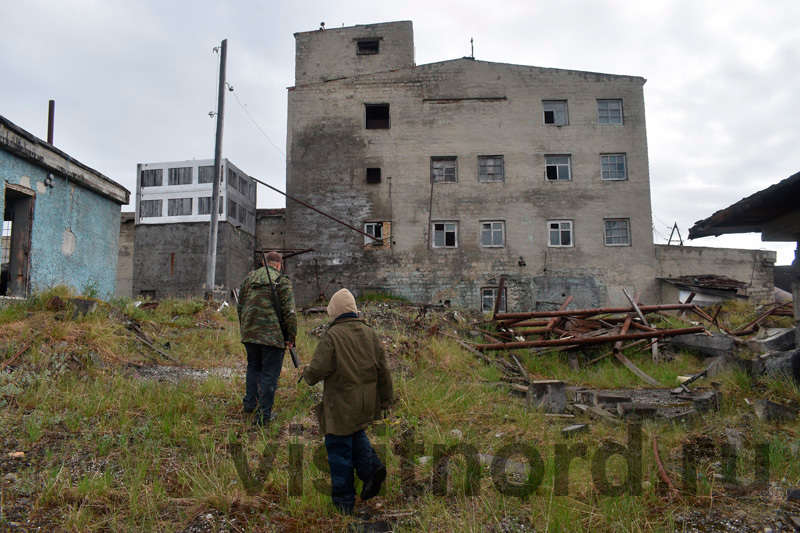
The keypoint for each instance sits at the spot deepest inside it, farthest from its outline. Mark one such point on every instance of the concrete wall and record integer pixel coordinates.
(753, 267)
(171, 259)
(270, 227)
(125, 256)
(466, 108)
(75, 234)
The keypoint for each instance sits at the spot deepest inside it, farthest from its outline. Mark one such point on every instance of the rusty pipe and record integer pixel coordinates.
(577, 341)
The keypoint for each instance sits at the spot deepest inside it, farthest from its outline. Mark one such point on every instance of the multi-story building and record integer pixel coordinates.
(172, 228)
(468, 171)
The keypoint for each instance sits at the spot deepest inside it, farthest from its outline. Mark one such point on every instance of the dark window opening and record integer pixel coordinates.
(549, 117)
(179, 176)
(205, 174)
(368, 47)
(153, 177)
(377, 116)
(373, 175)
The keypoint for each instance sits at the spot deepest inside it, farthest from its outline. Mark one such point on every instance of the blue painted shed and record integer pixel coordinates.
(61, 218)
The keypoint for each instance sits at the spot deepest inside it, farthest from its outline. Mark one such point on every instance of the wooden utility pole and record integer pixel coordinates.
(211, 265)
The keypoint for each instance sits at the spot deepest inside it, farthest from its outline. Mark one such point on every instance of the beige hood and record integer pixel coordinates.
(342, 302)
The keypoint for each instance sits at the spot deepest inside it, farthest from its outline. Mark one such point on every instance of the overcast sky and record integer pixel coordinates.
(134, 80)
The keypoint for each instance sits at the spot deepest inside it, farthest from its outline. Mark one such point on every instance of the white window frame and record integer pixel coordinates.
(563, 226)
(555, 161)
(611, 232)
(494, 226)
(439, 167)
(447, 226)
(610, 167)
(560, 111)
(491, 169)
(175, 207)
(371, 228)
(489, 297)
(606, 113)
(151, 203)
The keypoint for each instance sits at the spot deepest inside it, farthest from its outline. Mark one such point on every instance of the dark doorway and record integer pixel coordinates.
(16, 240)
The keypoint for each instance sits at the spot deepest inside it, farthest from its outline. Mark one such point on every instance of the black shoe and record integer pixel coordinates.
(348, 510)
(262, 420)
(249, 410)
(372, 486)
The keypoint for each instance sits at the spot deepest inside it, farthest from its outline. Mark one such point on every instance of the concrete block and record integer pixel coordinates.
(734, 440)
(637, 409)
(609, 401)
(548, 395)
(778, 365)
(772, 340)
(708, 401)
(584, 396)
(726, 363)
(771, 411)
(572, 393)
(83, 305)
(574, 429)
(710, 346)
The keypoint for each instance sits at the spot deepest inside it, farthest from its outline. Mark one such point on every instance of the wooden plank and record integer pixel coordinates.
(654, 346)
(635, 369)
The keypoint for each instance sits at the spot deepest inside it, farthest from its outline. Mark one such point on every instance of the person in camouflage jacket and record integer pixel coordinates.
(261, 334)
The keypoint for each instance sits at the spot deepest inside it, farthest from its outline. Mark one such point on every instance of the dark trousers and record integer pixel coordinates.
(345, 454)
(263, 370)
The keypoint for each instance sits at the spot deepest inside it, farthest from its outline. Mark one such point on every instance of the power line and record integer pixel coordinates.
(230, 88)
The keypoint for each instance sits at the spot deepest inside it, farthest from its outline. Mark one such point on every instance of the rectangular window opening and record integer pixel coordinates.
(445, 235)
(490, 168)
(205, 174)
(150, 208)
(373, 175)
(153, 177)
(177, 207)
(376, 230)
(204, 205)
(555, 112)
(557, 167)
(179, 176)
(493, 234)
(613, 167)
(489, 297)
(368, 47)
(609, 111)
(617, 232)
(377, 116)
(444, 170)
(560, 233)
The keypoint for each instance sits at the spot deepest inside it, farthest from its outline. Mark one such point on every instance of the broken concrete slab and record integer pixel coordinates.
(573, 391)
(778, 365)
(608, 401)
(772, 412)
(734, 440)
(598, 412)
(727, 363)
(82, 305)
(549, 395)
(683, 416)
(712, 345)
(772, 340)
(708, 401)
(637, 409)
(574, 429)
(584, 396)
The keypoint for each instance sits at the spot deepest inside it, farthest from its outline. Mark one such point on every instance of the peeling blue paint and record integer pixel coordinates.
(88, 258)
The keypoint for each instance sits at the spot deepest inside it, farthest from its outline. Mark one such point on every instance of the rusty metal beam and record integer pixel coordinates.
(591, 312)
(576, 341)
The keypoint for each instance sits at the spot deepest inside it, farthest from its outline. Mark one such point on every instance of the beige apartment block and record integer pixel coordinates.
(467, 170)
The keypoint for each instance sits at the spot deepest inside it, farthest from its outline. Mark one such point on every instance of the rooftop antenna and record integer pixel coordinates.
(321, 25)
(471, 48)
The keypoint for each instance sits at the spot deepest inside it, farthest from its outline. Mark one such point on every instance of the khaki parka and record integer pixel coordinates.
(357, 382)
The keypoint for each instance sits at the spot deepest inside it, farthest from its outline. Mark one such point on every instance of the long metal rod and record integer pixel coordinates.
(211, 263)
(590, 312)
(318, 211)
(576, 341)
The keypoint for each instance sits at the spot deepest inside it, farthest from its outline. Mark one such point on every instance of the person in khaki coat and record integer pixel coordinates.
(357, 388)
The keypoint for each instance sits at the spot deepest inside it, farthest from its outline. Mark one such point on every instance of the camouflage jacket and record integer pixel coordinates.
(258, 322)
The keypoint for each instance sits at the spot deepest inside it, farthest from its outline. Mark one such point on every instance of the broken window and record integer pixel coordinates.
(373, 175)
(233, 177)
(609, 111)
(204, 205)
(377, 116)
(443, 169)
(153, 177)
(490, 168)
(232, 209)
(493, 234)
(150, 208)
(367, 46)
(560, 232)
(177, 207)
(376, 230)
(617, 232)
(489, 297)
(445, 234)
(205, 174)
(613, 167)
(557, 167)
(243, 187)
(5, 243)
(179, 176)
(555, 112)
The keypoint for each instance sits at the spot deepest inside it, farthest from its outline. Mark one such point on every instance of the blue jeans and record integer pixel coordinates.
(264, 365)
(346, 453)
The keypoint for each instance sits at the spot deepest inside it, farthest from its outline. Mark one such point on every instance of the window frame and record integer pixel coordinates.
(154, 177)
(560, 231)
(179, 175)
(444, 159)
(606, 120)
(482, 159)
(376, 175)
(553, 103)
(606, 230)
(444, 232)
(616, 171)
(377, 123)
(203, 174)
(493, 291)
(159, 202)
(374, 226)
(491, 232)
(178, 204)
(548, 164)
(363, 50)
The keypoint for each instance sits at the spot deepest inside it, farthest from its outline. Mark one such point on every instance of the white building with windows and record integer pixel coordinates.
(468, 170)
(173, 213)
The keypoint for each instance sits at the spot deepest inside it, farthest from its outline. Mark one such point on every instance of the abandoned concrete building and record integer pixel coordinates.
(60, 219)
(172, 225)
(467, 170)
